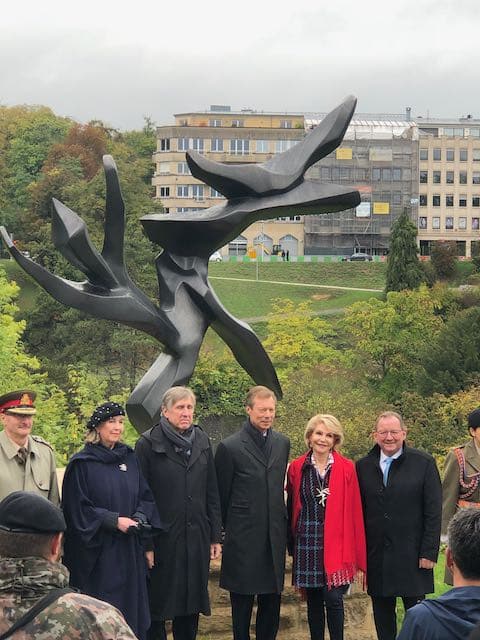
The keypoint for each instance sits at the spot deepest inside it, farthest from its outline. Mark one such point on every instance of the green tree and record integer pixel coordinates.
(452, 359)
(444, 258)
(296, 336)
(404, 270)
(388, 338)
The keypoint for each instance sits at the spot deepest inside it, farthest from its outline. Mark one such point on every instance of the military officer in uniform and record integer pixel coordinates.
(27, 462)
(460, 486)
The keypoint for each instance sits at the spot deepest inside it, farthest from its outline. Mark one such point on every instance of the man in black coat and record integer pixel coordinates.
(251, 467)
(177, 461)
(402, 506)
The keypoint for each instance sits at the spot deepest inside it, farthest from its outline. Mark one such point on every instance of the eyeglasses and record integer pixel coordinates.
(394, 434)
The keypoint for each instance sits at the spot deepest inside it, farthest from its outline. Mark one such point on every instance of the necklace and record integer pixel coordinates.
(321, 492)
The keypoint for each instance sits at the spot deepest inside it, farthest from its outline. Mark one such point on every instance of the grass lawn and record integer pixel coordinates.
(370, 275)
(254, 299)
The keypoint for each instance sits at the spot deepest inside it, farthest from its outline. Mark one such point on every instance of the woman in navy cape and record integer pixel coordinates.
(108, 507)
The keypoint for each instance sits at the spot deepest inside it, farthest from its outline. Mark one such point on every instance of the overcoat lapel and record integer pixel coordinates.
(252, 448)
(160, 444)
(199, 445)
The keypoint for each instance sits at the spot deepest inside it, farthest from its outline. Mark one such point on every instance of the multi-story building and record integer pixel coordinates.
(449, 183)
(379, 156)
(224, 135)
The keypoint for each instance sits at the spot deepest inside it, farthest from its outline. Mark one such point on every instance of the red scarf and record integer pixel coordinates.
(344, 534)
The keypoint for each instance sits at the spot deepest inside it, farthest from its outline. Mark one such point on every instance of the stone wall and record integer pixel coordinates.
(293, 614)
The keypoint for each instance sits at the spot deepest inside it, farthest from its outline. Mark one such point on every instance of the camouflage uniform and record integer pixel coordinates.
(23, 581)
(38, 474)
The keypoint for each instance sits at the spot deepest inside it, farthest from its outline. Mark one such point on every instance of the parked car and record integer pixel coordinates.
(364, 257)
(216, 257)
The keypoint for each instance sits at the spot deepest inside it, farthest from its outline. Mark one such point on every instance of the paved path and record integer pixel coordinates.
(297, 284)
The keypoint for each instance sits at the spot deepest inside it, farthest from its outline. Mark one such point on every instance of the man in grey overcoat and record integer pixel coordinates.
(402, 508)
(251, 467)
(176, 459)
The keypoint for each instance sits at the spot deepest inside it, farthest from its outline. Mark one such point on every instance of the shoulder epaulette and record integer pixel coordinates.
(40, 440)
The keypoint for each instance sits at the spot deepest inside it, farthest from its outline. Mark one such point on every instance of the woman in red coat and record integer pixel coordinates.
(326, 525)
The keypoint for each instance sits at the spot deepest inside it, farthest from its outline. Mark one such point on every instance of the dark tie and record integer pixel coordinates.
(22, 456)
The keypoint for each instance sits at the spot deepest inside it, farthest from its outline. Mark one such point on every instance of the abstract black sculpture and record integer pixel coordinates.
(188, 305)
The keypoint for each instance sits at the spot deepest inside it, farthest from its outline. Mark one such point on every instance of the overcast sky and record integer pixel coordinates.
(119, 62)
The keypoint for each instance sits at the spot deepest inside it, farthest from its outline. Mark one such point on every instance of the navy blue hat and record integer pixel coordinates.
(474, 419)
(104, 412)
(27, 512)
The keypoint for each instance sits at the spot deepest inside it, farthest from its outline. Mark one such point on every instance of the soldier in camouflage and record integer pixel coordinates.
(31, 532)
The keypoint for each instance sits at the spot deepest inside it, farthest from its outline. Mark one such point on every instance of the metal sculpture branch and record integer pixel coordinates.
(188, 305)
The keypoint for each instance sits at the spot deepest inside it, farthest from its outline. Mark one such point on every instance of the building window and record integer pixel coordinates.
(285, 124)
(197, 191)
(165, 144)
(423, 154)
(423, 177)
(183, 169)
(376, 174)
(450, 155)
(475, 224)
(449, 177)
(436, 222)
(423, 199)
(197, 144)
(164, 192)
(437, 154)
(397, 197)
(422, 222)
(436, 200)
(215, 123)
(397, 174)
(463, 154)
(237, 123)
(239, 147)
(283, 145)
(182, 190)
(324, 173)
(476, 177)
(217, 144)
(387, 175)
(182, 144)
(475, 133)
(462, 223)
(262, 146)
(453, 132)
(345, 173)
(437, 177)
(476, 155)
(462, 177)
(163, 168)
(476, 201)
(462, 200)
(449, 223)
(449, 200)
(361, 174)
(214, 193)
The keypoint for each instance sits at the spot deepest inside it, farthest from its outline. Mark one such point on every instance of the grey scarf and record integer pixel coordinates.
(182, 441)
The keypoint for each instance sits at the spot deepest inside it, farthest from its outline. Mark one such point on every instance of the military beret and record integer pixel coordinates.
(18, 402)
(104, 412)
(474, 419)
(27, 512)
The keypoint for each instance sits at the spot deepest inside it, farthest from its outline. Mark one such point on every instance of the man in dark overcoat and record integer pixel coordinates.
(177, 461)
(251, 467)
(402, 506)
